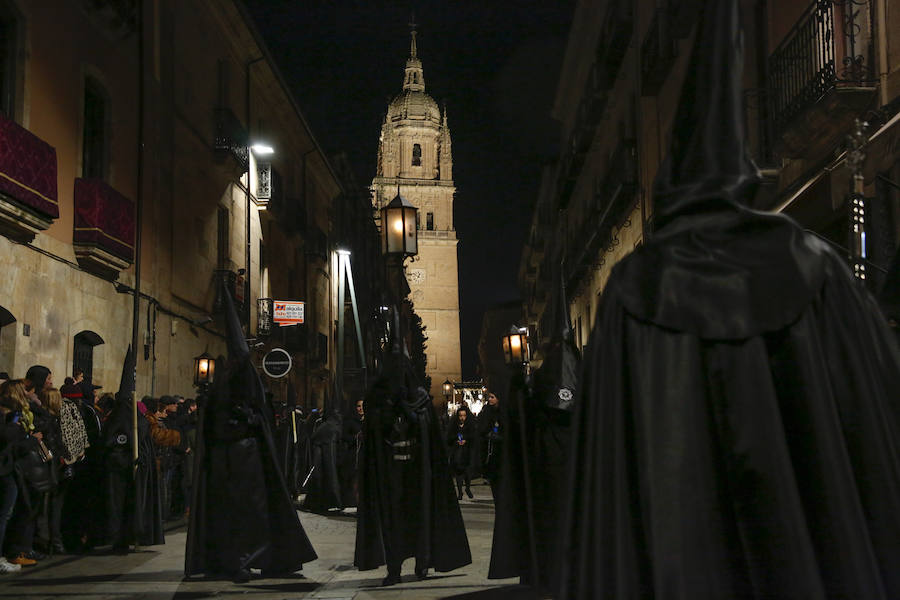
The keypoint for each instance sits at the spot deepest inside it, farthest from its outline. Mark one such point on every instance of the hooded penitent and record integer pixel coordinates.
(406, 503)
(736, 431)
(543, 451)
(134, 507)
(241, 514)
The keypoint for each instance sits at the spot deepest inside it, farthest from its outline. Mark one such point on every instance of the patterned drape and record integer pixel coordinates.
(104, 217)
(28, 169)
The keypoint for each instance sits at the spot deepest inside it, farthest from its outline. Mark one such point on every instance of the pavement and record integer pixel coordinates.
(156, 572)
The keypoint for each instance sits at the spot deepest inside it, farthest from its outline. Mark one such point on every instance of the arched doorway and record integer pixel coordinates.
(7, 341)
(84, 353)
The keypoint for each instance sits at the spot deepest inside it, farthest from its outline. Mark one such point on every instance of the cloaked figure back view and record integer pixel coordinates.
(737, 426)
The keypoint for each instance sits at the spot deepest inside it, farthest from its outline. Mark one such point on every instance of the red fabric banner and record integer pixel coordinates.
(28, 169)
(104, 217)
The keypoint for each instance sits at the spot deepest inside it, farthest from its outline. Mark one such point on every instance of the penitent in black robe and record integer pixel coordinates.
(737, 432)
(407, 508)
(242, 517)
(322, 483)
(241, 514)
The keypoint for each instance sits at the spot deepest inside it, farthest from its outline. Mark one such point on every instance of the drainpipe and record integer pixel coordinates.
(881, 25)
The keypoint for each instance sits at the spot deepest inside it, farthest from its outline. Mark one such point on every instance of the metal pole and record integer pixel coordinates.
(359, 338)
(526, 479)
(247, 288)
(136, 306)
(342, 292)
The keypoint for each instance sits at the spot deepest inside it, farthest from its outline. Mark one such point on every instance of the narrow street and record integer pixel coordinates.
(156, 573)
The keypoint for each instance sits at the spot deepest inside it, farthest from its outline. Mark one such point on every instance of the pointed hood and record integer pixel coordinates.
(127, 380)
(707, 167)
(557, 380)
(234, 335)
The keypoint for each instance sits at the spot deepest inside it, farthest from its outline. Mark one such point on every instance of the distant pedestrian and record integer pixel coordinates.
(460, 442)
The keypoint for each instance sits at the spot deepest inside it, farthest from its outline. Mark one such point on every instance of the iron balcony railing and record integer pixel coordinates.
(830, 46)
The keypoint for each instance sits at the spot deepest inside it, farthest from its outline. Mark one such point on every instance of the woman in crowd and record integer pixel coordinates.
(460, 437)
(20, 528)
(12, 432)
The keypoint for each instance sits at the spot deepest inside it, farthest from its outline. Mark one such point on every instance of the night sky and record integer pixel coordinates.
(494, 62)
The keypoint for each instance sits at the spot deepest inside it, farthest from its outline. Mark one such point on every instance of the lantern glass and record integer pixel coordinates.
(398, 231)
(204, 369)
(515, 347)
(448, 387)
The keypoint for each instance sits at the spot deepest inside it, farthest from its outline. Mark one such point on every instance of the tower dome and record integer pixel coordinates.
(413, 102)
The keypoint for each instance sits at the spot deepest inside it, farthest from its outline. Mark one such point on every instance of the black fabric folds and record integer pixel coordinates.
(736, 430)
(762, 467)
(406, 506)
(241, 514)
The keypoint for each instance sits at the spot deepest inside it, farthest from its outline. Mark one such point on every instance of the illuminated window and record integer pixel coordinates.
(417, 155)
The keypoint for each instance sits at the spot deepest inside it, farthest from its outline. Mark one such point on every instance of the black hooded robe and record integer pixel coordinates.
(737, 433)
(242, 516)
(323, 486)
(407, 507)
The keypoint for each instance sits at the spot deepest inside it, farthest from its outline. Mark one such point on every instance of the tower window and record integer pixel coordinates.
(429, 221)
(94, 136)
(417, 155)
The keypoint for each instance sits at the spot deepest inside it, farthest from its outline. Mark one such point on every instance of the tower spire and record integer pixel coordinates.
(412, 33)
(414, 77)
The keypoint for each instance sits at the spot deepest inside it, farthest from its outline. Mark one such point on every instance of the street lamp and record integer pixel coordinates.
(515, 346)
(204, 370)
(398, 228)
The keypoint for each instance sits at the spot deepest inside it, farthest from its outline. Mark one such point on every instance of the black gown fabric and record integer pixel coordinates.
(407, 507)
(323, 485)
(241, 514)
(351, 447)
(736, 433)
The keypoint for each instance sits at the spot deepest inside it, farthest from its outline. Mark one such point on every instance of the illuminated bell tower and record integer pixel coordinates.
(414, 156)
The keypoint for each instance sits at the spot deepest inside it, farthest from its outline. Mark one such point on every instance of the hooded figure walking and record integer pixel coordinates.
(406, 502)
(736, 431)
(241, 517)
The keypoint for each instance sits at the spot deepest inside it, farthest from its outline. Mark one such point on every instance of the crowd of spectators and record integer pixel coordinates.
(67, 473)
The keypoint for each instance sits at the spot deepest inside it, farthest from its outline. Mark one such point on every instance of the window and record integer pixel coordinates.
(429, 221)
(417, 155)
(84, 353)
(8, 45)
(94, 139)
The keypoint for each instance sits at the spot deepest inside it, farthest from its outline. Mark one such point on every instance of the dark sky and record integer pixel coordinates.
(494, 62)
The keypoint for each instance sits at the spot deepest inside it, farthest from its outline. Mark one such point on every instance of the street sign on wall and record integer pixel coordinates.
(288, 312)
(276, 363)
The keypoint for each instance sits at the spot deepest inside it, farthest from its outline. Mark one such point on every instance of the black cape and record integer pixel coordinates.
(241, 514)
(323, 486)
(407, 508)
(737, 431)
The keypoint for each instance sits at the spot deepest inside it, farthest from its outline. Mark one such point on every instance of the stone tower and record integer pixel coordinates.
(414, 156)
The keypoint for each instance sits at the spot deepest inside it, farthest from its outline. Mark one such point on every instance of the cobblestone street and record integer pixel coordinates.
(156, 573)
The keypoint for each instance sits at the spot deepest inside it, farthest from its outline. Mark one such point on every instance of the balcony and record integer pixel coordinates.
(613, 201)
(820, 78)
(658, 53)
(103, 235)
(233, 283)
(28, 194)
(269, 187)
(231, 138)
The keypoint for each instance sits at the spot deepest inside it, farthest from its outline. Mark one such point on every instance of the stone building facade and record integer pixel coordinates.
(85, 87)
(415, 159)
(811, 69)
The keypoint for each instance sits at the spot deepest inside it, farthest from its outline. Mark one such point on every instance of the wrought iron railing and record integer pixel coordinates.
(828, 47)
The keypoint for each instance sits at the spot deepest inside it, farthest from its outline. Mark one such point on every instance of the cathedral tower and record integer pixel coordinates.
(414, 156)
